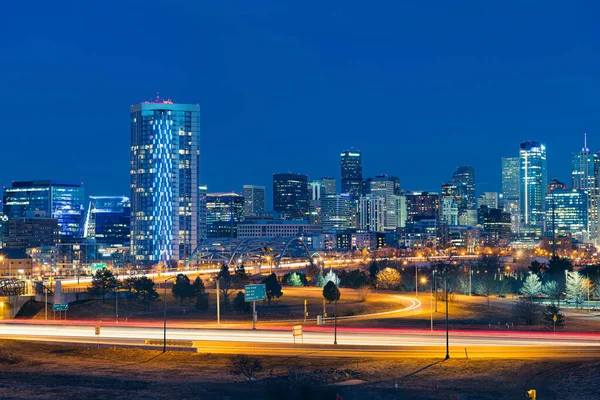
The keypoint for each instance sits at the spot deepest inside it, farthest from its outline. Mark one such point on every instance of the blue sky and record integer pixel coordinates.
(286, 86)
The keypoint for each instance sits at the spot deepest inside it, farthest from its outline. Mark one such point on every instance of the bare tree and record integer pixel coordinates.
(242, 364)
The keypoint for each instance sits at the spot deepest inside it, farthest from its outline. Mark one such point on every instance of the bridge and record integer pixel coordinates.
(271, 251)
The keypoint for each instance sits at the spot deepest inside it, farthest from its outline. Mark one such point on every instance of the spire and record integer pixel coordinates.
(585, 148)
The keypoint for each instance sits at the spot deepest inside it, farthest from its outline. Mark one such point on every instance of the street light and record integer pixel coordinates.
(416, 281)
(165, 314)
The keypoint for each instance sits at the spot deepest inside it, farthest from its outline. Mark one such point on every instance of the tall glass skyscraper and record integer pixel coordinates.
(290, 196)
(108, 220)
(464, 178)
(567, 213)
(511, 189)
(585, 177)
(254, 200)
(60, 200)
(338, 212)
(352, 177)
(165, 170)
(533, 184)
(224, 211)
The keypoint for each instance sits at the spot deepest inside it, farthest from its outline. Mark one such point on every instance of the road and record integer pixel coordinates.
(318, 341)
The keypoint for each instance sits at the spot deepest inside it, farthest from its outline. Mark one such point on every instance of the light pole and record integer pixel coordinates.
(446, 293)
(335, 323)
(165, 315)
(416, 281)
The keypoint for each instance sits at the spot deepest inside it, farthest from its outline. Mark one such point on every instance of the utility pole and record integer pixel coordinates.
(431, 301)
(446, 291)
(553, 228)
(416, 281)
(335, 324)
(470, 280)
(218, 305)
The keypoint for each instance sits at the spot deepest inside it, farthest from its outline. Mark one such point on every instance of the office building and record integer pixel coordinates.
(585, 177)
(290, 196)
(202, 228)
(32, 231)
(352, 178)
(371, 212)
(511, 189)
(254, 200)
(338, 212)
(533, 185)
(464, 177)
(488, 199)
(449, 210)
(275, 228)
(60, 200)
(224, 211)
(422, 205)
(329, 186)
(566, 213)
(165, 170)
(108, 220)
(388, 188)
(15, 263)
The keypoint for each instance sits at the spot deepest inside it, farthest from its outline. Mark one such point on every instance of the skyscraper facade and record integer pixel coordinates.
(165, 171)
(328, 186)
(108, 220)
(488, 199)
(465, 175)
(566, 213)
(388, 188)
(352, 177)
(585, 177)
(60, 200)
(224, 211)
(338, 212)
(511, 189)
(254, 200)
(371, 211)
(290, 196)
(533, 184)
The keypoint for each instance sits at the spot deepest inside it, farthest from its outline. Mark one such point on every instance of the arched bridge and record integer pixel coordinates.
(250, 251)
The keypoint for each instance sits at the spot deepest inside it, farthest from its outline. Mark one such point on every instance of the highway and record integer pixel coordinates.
(318, 341)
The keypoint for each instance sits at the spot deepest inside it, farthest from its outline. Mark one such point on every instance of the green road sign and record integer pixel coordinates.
(97, 266)
(60, 307)
(255, 292)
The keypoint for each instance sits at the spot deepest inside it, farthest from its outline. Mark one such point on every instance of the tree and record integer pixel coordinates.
(320, 282)
(556, 269)
(239, 303)
(312, 271)
(182, 288)
(548, 316)
(272, 287)
(331, 292)
(241, 278)
(242, 364)
(527, 310)
(552, 290)
(502, 286)
(103, 282)
(538, 268)
(144, 290)
(532, 285)
(373, 270)
(128, 285)
(576, 286)
(332, 276)
(485, 286)
(596, 291)
(354, 278)
(388, 278)
(224, 278)
(294, 280)
(201, 295)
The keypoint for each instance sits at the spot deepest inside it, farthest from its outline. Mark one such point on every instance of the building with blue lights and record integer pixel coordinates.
(50, 199)
(567, 213)
(108, 220)
(224, 211)
(165, 170)
(533, 186)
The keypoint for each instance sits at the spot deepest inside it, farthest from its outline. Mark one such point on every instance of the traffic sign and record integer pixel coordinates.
(554, 318)
(255, 292)
(97, 330)
(60, 307)
(297, 330)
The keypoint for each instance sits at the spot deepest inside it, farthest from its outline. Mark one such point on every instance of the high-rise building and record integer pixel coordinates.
(254, 200)
(465, 175)
(422, 205)
(533, 184)
(585, 176)
(315, 189)
(388, 188)
(352, 178)
(329, 186)
(449, 210)
(371, 211)
(511, 189)
(224, 211)
(290, 196)
(566, 213)
(488, 199)
(31, 231)
(165, 172)
(60, 200)
(338, 212)
(108, 220)
(202, 227)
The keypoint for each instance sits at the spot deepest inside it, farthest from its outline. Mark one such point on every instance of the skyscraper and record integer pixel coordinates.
(290, 196)
(533, 184)
(371, 211)
(465, 175)
(224, 211)
(488, 199)
(352, 178)
(328, 186)
(388, 188)
(254, 200)
(511, 189)
(60, 200)
(108, 220)
(585, 177)
(566, 213)
(338, 212)
(165, 170)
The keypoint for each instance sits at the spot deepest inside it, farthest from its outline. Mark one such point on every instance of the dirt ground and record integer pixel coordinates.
(40, 371)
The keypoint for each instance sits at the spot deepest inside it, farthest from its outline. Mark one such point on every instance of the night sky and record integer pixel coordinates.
(418, 88)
